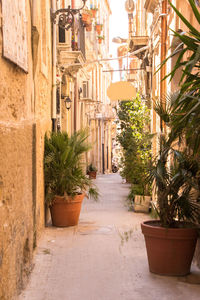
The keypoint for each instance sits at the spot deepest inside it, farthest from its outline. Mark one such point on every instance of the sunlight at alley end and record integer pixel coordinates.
(100, 149)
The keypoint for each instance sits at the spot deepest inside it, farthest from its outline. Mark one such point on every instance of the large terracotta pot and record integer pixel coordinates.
(64, 212)
(170, 250)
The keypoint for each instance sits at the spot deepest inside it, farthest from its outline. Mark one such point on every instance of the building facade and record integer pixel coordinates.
(25, 115)
(81, 77)
(51, 79)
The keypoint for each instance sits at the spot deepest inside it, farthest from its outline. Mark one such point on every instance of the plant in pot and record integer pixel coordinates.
(98, 28)
(94, 10)
(171, 240)
(65, 181)
(92, 171)
(86, 17)
(100, 38)
(135, 140)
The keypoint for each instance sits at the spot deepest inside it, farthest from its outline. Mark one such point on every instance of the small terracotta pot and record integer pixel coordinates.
(64, 212)
(92, 174)
(93, 11)
(170, 250)
(100, 41)
(86, 18)
(98, 29)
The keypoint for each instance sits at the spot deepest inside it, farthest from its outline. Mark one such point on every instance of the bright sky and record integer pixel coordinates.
(118, 27)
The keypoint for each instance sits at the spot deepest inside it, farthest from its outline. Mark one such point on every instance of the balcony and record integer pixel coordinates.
(150, 5)
(138, 42)
(71, 52)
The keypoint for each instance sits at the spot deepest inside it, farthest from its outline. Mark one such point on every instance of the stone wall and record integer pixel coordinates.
(25, 115)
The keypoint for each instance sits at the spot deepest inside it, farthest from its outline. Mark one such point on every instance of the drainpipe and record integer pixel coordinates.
(53, 107)
(163, 54)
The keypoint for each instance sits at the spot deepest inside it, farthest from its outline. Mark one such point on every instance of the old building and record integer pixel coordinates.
(52, 78)
(81, 79)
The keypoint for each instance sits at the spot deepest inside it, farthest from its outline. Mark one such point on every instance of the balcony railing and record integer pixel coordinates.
(71, 48)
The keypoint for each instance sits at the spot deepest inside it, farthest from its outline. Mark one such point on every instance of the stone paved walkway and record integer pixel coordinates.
(86, 262)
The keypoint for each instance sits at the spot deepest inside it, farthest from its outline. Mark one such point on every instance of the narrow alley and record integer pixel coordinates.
(88, 262)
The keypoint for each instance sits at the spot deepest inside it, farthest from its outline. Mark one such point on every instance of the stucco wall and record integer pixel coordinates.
(25, 115)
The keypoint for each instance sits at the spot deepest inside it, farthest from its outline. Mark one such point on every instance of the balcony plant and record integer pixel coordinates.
(92, 171)
(65, 181)
(94, 10)
(86, 17)
(98, 28)
(100, 38)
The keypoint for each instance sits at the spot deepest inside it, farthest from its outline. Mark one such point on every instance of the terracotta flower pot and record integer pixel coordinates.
(86, 18)
(170, 250)
(94, 12)
(98, 29)
(100, 41)
(64, 212)
(92, 174)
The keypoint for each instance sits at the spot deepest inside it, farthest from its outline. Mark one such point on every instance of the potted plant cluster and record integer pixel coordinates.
(92, 171)
(135, 140)
(65, 181)
(171, 240)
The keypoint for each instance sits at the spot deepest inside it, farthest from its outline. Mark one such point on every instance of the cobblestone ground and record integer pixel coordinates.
(88, 262)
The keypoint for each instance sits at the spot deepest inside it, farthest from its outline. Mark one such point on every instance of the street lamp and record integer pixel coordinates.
(64, 17)
(67, 102)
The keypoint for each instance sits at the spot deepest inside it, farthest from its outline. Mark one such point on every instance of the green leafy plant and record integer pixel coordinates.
(135, 140)
(101, 37)
(186, 108)
(63, 167)
(175, 175)
(91, 168)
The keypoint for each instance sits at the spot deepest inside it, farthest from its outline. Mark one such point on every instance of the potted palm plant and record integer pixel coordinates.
(65, 181)
(92, 171)
(171, 240)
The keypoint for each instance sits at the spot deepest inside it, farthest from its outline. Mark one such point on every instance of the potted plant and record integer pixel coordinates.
(100, 38)
(65, 181)
(92, 171)
(98, 28)
(86, 17)
(171, 240)
(94, 10)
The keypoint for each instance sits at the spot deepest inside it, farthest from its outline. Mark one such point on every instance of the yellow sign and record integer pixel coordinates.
(121, 90)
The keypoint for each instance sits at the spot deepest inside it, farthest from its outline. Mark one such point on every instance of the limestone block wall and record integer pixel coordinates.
(25, 115)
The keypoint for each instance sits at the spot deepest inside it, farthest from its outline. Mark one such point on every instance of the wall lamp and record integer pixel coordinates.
(64, 17)
(67, 102)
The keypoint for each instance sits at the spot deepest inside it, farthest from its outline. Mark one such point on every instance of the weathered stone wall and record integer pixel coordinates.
(25, 115)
